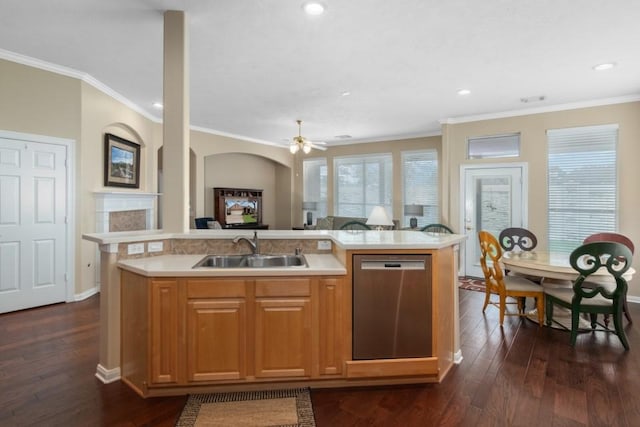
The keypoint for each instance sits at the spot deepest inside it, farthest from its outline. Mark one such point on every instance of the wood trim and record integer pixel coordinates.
(392, 367)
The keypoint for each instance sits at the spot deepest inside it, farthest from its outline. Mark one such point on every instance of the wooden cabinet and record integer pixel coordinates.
(182, 332)
(164, 349)
(330, 326)
(283, 328)
(216, 330)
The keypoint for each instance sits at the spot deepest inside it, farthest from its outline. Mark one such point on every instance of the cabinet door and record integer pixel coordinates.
(330, 309)
(164, 332)
(283, 334)
(216, 340)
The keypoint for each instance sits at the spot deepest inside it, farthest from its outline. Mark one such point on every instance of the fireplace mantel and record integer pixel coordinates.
(118, 201)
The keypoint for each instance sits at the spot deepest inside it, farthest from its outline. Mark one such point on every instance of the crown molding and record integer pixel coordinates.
(239, 137)
(70, 72)
(540, 110)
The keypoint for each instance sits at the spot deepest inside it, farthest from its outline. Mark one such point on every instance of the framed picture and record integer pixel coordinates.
(121, 162)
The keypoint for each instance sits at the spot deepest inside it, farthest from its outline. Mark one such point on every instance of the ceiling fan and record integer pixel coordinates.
(301, 143)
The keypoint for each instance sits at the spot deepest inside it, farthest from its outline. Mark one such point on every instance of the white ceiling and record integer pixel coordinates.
(258, 65)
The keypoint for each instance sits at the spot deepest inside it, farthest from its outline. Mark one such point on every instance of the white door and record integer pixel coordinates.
(33, 247)
(494, 199)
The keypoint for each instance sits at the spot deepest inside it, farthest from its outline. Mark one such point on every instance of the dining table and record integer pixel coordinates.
(554, 270)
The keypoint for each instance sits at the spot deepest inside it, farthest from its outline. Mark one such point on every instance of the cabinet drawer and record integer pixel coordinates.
(216, 288)
(283, 287)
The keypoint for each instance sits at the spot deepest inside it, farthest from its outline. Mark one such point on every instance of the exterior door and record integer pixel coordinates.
(494, 199)
(33, 247)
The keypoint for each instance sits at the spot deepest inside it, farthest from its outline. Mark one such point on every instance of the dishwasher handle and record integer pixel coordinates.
(392, 264)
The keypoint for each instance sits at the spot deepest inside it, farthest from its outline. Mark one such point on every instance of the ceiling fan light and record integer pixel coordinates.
(306, 148)
(293, 148)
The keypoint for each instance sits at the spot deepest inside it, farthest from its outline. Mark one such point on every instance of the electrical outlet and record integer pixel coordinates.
(135, 248)
(324, 245)
(155, 246)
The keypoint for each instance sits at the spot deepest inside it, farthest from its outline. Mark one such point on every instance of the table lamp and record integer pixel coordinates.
(414, 211)
(379, 218)
(309, 207)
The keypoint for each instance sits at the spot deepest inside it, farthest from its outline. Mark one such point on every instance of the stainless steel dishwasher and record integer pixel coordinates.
(391, 306)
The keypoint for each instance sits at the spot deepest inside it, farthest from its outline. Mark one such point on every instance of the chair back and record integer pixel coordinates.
(589, 258)
(355, 225)
(520, 237)
(202, 222)
(490, 254)
(437, 228)
(610, 237)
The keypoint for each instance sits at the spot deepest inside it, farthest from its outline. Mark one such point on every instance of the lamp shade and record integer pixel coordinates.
(309, 206)
(379, 216)
(414, 210)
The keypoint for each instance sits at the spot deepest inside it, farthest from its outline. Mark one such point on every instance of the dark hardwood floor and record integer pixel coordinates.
(520, 375)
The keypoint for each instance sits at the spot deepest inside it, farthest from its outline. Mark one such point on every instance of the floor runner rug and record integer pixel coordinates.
(282, 408)
(471, 283)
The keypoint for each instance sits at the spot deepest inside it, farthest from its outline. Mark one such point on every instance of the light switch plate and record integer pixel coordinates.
(135, 248)
(324, 245)
(155, 246)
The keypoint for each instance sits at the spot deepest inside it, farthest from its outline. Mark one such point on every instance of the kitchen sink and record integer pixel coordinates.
(251, 261)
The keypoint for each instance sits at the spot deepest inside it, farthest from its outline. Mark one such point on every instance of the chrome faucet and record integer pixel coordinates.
(254, 243)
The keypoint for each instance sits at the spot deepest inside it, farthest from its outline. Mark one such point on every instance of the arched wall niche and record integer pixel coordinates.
(244, 170)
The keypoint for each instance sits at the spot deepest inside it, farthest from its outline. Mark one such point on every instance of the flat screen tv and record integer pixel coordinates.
(240, 210)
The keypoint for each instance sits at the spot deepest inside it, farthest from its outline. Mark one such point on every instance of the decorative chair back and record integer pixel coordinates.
(610, 237)
(589, 258)
(437, 228)
(520, 237)
(355, 225)
(490, 254)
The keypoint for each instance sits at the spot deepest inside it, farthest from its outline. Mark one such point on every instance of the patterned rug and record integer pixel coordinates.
(274, 408)
(471, 283)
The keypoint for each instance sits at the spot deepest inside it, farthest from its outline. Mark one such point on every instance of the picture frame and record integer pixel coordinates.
(121, 162)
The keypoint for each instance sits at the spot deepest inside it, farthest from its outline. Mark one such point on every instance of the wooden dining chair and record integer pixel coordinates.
(596, 298)
(613, 237)
(505, 286)
(513, 237)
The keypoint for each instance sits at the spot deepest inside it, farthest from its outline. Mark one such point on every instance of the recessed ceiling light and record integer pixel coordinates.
(463, 92)
(158, 105)
(345, 93)
(604, 66)
(313, 8)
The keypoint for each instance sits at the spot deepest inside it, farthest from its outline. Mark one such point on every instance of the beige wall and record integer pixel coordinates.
(237, 170)
(395, 147)
(534, 152)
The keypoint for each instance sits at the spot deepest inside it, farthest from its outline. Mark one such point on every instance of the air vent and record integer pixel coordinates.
(533, 99)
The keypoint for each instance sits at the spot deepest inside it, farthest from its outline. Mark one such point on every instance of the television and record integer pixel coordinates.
(241, 210)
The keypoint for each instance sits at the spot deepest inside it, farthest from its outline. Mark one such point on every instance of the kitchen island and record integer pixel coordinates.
(188, 329)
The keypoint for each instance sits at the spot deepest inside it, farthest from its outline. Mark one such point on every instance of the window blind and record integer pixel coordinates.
(362, 182)
(582, 184)
(314, 175)
(420, 184)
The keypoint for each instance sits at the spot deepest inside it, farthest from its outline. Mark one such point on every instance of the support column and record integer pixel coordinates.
(175, 168)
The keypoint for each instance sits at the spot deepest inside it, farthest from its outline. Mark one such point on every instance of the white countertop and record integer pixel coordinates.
(181, 265)
(370, 239)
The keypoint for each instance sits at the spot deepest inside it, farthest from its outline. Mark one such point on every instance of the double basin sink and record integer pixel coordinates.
(252, 261)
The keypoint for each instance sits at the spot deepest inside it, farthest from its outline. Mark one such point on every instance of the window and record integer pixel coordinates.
(494, 147)
(582, 184)
(420, 185)
(362, 182)
(314, 172)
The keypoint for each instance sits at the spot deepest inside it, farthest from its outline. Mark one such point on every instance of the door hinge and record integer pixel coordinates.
(66, 277)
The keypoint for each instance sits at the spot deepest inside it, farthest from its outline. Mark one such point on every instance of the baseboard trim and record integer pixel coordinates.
(86, 294)
(107, 375)
(457, 357)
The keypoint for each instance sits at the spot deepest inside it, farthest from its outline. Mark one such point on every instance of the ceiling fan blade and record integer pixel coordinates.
(319, 142)
(318, 147)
